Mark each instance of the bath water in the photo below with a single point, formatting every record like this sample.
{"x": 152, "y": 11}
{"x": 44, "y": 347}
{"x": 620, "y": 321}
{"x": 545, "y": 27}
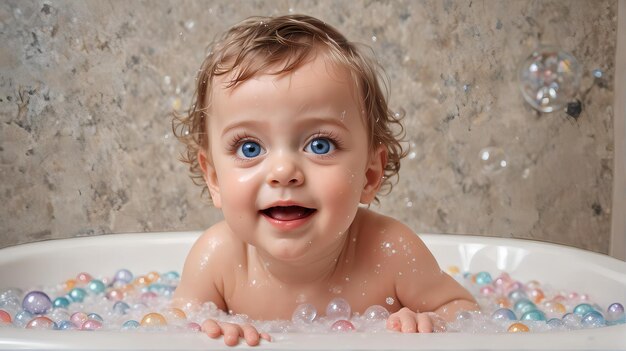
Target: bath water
{"x": 141, "y": 303}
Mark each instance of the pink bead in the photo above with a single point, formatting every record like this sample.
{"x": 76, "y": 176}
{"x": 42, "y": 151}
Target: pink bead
{"x": 83, "y": 278}
{"x": 487, "y": 290}
{"x": 342, "y": 325}
{"x": 148, "y": 297}
{"x": 40, "y": 323}
{"x": 91, "y": 325}
{"x": 78, "y": 318}
{"x": 115, "y": 295}
{"x": 193, "y": 326}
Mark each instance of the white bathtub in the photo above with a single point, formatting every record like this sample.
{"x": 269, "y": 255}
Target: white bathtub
{"x": 51, "y": 262}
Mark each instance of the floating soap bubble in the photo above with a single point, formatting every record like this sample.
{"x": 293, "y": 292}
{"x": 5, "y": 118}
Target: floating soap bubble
{"x": 376, "y": 313}
{"x": 493, "y": 159}
{"x": 549, "y": 78}
{"x": 338, "y": 308}
{"x": 22, "y": 318}
{"x": 304, "y": 313}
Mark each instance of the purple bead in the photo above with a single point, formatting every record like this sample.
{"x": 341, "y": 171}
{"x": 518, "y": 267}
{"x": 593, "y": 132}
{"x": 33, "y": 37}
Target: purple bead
{"x": 503, "y": 314}
{"x": 36, "y": 302}
{"x": 124, "y": 276}
{"x": 615, "y": 312}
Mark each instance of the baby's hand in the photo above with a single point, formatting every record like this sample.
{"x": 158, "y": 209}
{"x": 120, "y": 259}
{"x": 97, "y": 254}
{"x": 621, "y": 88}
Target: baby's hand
{"x": 232, "y": 332}
{"x": 407, "y": 321}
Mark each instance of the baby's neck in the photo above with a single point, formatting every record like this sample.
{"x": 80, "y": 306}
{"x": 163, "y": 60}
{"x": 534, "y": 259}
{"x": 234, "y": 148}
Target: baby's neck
{"x": 314, "y": 270}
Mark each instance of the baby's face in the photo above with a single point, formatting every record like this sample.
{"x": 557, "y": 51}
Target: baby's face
{"x": 289, "y": 155}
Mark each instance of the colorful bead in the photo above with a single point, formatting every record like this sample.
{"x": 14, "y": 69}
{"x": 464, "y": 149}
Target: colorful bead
{"x": 123, "y": 276}
{"x": 61, "y": 302}
{"x": 36, "y": 302}
{"x": 518, "y": 328}
{"x": 503, "y": 314}
{"x": 130, "y": 324}
{"x": 342, "y": 325}
{"x": 41, "y": 322}
{"x": 582, "y": 309}
{"x": 593, "y": 319}
{"x": 77, "y": 294}
{"x": 534, "y": 315}
{"x": 153, "y": 320}
{"x": 5, "y": 317}
{"x": 483, "y": 278}
{"x": 96, "y": 286}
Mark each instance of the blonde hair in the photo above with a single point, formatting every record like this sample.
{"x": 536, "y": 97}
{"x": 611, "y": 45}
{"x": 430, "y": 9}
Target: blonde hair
{"x": 258, "y": 44}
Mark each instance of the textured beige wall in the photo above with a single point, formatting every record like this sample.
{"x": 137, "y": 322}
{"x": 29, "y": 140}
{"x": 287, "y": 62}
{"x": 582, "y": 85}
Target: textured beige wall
{"x": 86, "y": 88}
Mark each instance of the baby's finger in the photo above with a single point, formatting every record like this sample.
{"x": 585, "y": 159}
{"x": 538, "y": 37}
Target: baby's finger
{"x": 211, "y": 328}
{"x": 393, "y": 322}
{"x": 409, "y": 322}
{"x": 232, "y": 333}
{"x": 250, "y": 334}
{"x": 424, "y": 323}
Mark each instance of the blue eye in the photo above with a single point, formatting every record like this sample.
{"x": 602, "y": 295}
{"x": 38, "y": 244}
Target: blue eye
{"x": 249, "y": 149}
{"x": 320, "y": 146}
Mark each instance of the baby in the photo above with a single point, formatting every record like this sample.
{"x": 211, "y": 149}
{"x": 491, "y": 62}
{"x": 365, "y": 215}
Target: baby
{"x": 290, "y": 133}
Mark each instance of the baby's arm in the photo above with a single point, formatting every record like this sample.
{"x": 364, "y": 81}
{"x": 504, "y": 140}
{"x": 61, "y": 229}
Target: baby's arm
{"x": 427, "y": 293}
{"x": 202, "y": 281}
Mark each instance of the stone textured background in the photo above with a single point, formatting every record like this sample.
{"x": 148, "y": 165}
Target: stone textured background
{"x": 86, "y": 89}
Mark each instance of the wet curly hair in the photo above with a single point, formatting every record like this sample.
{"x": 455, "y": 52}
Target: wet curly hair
{"x": 258, "y": 45}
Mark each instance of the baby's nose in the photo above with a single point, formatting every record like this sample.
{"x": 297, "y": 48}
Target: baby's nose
{"x": 285, "y": 171}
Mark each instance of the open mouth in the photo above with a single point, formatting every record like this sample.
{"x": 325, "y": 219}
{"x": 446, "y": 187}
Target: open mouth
{"x": 287, "y": 213}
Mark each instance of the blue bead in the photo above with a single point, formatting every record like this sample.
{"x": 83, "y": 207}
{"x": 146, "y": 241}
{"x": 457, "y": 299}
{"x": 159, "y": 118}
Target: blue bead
{"x": 22, "y": 318}
{"x": 583, "y": 309}
{"x": 130, "y": 324}
{"x": 593, "y": 319}
{"x": 172, "y": 275}
{"x": 516, "y": 295}
{"x": 77, "y": 294}
{"x": 61, "y": 302}
{"x": 66, "y": 325}
{"x": 524, "y": 305}
{"x": 120, "y": 307}
{"x": 503, "y": 314}
{"x": 36, "y": 302}
{"x": 96, "y": 286}
{"x": 483, "y": 278}
{"x": 555, "y": 323}
{"x": 534, "y": 315}
{"x": 95, "y": 317}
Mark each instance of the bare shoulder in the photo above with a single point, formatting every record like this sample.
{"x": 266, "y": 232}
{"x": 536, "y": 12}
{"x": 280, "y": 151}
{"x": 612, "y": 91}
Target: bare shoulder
{"x": 389, "y": 233}
{"x": 208, "y": 264}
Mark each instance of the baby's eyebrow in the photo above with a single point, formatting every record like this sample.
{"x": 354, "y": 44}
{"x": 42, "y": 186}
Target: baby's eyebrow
{"x": 243, "y": 124}
{"x": 313, "y": 121}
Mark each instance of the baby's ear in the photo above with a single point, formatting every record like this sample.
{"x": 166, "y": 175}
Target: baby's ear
{"x": 374, "y": 174}
{"x": 210, "y": 177}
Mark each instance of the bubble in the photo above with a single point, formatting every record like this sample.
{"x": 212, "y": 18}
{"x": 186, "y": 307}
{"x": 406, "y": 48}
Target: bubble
{"x": 189, "y": 24}
{"x": 389, "y": 300}
{"x": 36, "y": 302}
{"x": 549, "y": 78}
{"x": 376, "y": 313}
{"x": 493, "y": 160}
{"x": 338, "y": 308}
{"x": 597, "y": 73}
{"x": 304, "y": 313}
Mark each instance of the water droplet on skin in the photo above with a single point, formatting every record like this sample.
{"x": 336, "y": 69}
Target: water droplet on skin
{"x": 389, "y": 300}
{"x": 374, "y": 38}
